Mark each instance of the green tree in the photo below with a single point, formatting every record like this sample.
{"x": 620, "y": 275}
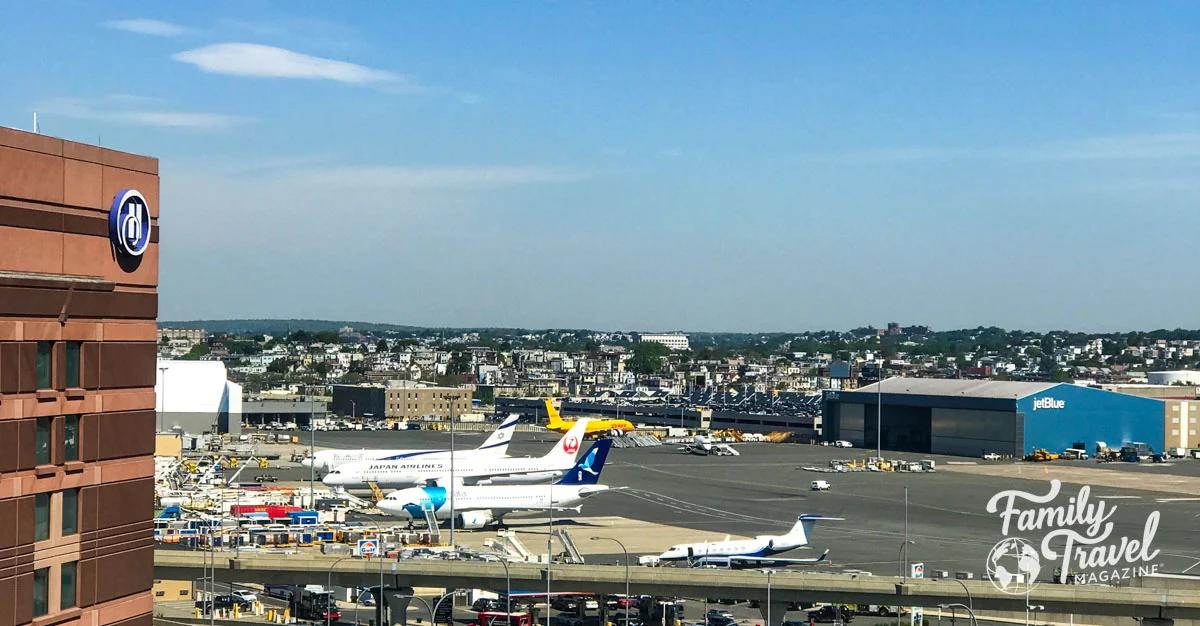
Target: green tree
{"x": 327, "y": 336}
{"x": 320, "y": 368}
{"x": 279, "y": 366}
{"x": 197, "y": 352}
{"x": 647, "y": 357}
{"x": 381, "y": 345}
{"x": 1060, "y": 375}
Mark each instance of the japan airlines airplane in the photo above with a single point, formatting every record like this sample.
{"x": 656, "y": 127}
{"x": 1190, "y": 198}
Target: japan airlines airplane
{"x": 476, "y": 507}
{"x": 424, "y": 470}
{"x": 756, "y": 552}
{"x": 494, "y": 446}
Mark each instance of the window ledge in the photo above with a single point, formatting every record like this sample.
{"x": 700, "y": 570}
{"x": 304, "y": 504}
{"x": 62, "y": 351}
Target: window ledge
{"x": 47, "y": 394}
{"x": 75, "y": 393}
{"x": 57, "y": 617}
{"x": 75, "y": 466}
{"x": 42, "y": 471}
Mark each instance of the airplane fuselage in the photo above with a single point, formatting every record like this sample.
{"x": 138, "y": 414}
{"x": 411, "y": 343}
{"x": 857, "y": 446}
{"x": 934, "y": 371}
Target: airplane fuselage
{"x": 411, "y": 503}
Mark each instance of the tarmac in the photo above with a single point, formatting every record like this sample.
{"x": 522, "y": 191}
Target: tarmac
{"x": 669, "y": 497}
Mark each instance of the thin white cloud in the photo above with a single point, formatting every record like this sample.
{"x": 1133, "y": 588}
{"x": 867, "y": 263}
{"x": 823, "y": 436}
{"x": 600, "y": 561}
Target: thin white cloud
{"x": 135, "y": 111}
{"x": 156, "y": 28}
{"x": 1128, "y": 147}
{"x": 247, "y": 59}
{"x": 424, "y": 177}
{"x": 1125, "y": 147}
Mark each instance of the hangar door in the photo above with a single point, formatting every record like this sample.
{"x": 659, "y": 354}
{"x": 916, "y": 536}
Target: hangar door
{"x": 975, "y": 433}
{"x": 905, "y": 428}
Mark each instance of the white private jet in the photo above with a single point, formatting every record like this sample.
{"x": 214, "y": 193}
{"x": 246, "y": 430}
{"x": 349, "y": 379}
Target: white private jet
{"x": 704, "y": 446}
{"x": 495, "y": 445}
{"x": 478, "y": 506}
{"x": 435, "y": 469}
{"x": 744, "y": 553}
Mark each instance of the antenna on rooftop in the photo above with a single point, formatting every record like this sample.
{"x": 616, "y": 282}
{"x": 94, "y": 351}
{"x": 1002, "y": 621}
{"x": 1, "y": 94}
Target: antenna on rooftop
{"x": 36, "y": 128}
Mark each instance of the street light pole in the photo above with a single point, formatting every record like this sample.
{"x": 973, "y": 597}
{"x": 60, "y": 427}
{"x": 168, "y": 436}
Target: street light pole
{"x": 970, "y": 611}
{"x": 453, "y": 399}
{"x": 507, "y": 592}
{"x": 329, "y": 584}
{"x": 627, "y": 600}
{"x": 312, "y": 454}
{"x": 162, "y": 414}
{"x": 879, "y": 414}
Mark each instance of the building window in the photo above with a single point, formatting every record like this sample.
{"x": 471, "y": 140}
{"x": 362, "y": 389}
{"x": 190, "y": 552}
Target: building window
{"x": 44, "y": 349}
{"x": 1174, "y": 432}
{"x": 42, "y": 441}
{"x": 73, "y": 364}
{"x": 71, "y": 438}
{"x": 41, "y": 592}
{"x": 70, "y": 512}
{"x": 1174, "y": 420}
{"x": 41, "y": 517}
{"x": 66, "y": 585}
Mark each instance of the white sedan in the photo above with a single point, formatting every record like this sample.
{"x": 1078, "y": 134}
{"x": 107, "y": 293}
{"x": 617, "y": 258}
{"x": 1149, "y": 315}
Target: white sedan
{"x": 991, "y": 456}
{"x": 842, "y": 443}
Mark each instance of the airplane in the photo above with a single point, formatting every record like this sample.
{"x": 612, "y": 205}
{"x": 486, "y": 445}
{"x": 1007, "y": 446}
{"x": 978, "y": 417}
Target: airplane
{"x": 425, "y": 470}
{"x": 495, "y": 445}
{"x": 478, "y": 506}
{"x": 595, "y": 426}
{"x": 744, "y": 553}
{"x": 703, "y": 446}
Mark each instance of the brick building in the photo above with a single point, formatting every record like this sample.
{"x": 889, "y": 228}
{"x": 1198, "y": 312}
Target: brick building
{"x": 412, "y": 401}
{"x": 78, "y": 302}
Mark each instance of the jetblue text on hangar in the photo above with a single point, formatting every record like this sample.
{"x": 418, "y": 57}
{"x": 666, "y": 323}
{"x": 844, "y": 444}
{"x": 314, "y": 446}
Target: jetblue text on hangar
{"x": 1048, "y": 403}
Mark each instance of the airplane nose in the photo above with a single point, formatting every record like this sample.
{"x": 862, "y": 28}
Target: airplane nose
{"x": 307, "y": 462}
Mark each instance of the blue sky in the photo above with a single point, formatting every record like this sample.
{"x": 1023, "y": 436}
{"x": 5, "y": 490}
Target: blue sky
{"x": 696, "y": 166}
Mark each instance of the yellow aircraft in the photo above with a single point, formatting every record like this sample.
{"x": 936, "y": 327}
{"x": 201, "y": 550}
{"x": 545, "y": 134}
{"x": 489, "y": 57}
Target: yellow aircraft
{"x": 595, "y": 427}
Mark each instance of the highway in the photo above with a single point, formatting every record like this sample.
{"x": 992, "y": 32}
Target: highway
{"x": 782, "y": 587}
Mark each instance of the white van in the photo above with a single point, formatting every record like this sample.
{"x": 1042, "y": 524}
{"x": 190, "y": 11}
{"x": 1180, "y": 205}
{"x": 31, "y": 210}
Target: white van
{"x": 819, "y": 485}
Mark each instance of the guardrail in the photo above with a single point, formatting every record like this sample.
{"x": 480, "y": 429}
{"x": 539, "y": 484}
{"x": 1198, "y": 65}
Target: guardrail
{"x": 785, "y": 586}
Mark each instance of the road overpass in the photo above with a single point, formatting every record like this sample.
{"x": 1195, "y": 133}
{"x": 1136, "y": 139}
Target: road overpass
{"x": 781, "y": 586}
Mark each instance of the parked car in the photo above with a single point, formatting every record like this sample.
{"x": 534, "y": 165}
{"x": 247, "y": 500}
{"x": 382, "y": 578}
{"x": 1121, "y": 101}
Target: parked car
{"x": 819, "y": 485}
{"x": 830, "y": 613}
{"x": 991, "y": 456}
{"x": 487, "y": 604}
{"x": 842, "y": 443}
{"x": 244, "y": 596}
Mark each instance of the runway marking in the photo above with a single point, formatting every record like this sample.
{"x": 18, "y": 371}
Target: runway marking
{"x": 1111, "y": 497}
{"x": 1166, "y": 500}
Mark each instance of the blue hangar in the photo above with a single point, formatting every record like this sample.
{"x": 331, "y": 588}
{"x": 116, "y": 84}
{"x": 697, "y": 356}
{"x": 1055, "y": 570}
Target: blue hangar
{"x": 974, "y": 417}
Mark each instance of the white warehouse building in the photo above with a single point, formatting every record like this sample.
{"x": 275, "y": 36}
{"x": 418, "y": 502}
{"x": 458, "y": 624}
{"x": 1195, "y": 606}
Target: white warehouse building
{"x": 196, "y": 395}
{"x": 1174, "y": 377}
{"x": 674, "y": 341}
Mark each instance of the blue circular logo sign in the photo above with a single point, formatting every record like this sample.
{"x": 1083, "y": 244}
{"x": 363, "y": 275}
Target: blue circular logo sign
{"x": 129, "y": 223}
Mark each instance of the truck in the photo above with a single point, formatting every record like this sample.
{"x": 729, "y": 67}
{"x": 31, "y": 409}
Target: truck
{"x": 314, "y": 605}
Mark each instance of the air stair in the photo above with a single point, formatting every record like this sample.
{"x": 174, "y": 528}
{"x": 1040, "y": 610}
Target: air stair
{"x": 435, "y": 533}
{"x": 573, "y": 555}
{"x": 507, "y": 543}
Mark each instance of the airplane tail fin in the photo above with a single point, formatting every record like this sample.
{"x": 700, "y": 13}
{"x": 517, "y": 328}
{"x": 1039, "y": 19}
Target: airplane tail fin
{"x": 563, "y": 453}
{"x": 801, "y": 533}
{"x": 587, "y": 470}
{"x": 552, "y": 417}
{"x": 497, "y": 443}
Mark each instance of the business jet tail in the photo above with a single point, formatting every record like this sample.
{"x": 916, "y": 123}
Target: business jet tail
{"x": 587, "y": 470}
{"x": 497, "y": 443}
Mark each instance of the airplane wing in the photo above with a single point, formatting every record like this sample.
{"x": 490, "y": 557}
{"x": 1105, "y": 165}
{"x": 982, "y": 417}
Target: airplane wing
{"x": 767, "y": 560}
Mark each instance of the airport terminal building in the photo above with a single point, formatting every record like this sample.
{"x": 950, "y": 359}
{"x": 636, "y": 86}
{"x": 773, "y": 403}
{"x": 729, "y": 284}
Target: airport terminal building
{"x": 974, "y": 417}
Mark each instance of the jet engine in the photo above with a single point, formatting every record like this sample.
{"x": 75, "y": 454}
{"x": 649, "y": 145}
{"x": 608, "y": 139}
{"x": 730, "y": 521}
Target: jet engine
{"x": 781, "y": 543}
{"x": 474, "y": 520}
